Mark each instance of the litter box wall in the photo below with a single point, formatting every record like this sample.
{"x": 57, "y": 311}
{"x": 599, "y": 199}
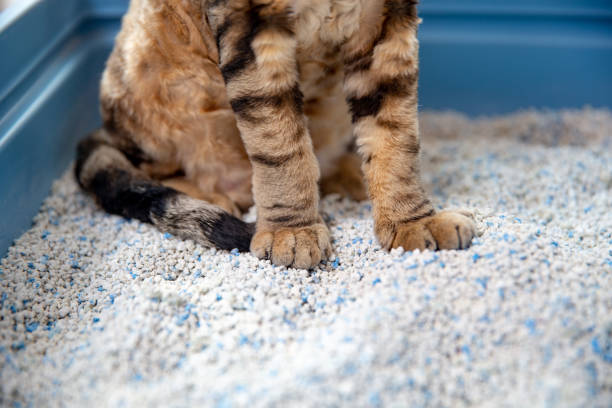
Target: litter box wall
{"x": 477, "y": 56}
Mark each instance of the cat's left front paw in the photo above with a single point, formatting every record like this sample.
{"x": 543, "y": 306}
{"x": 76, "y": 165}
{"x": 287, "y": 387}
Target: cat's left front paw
{"x": 444, "y": 230}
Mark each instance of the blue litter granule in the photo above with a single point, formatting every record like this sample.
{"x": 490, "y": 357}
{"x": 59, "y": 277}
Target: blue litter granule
{"x": 45, "y": 234}
{"x": 475, "y": 257}
{"x": 602, "y": 350}
{"x": 339, "y": 300}
{"x": 465, "y": 349}
{"x": 588, "y": 209}
{"x": 502, "y": 293}
{"x": 243, "y": 340}
{"x": 32, "y": 326}
{"x": 375, "y": 281}
{"x": 555, "y": 244}
{"x": 531, "y": 326}
{"x": 219, "y": 297}
{"x": 509, "y": 238}
{"x": 289, "y": 322}
{"x": 182, "y": 319}
{"x": 111, "y": 298}
{"x": 101, "y": 289}
{"x": 235, "y": 252}
{"x": 96, "y": 319}
{"x": 18, "y": 346}
{"x": 485, "y": 318}
{"x": 336, "y": 263}
{"x": 374, "y": 399}
{"x": 432, "y": 260}
{"x": 591, "y": 370}
{"x": 167, "y": 235}
{"x": 482, "y": 281}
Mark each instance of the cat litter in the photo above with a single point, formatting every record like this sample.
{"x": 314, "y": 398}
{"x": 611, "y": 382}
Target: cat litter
{"x": 97, "y": 310}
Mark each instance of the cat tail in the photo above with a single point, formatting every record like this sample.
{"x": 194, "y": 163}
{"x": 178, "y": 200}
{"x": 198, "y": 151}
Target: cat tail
{"x": 108, "y": 173}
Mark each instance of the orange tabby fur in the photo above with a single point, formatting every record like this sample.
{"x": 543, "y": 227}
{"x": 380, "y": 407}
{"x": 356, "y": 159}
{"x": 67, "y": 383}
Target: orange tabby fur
{"x": 255, "y": 102}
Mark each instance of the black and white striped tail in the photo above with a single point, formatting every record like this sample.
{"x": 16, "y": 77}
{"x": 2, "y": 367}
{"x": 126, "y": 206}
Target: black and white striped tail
{"x": 120, "y": 188}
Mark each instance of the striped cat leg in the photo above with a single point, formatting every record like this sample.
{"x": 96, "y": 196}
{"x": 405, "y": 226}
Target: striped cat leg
{"x": 257, "y": 50}
{"x": 381, "y": 88}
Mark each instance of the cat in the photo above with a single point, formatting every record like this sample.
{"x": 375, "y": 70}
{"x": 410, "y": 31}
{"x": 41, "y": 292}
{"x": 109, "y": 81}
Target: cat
{"x": 212, "y": 106}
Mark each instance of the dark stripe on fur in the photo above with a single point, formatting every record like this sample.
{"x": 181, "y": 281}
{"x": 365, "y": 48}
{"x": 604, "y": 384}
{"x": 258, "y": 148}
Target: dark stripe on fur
{"x": 421, "y": 205}
{"x": 362, "y": 61}
{"x": 418, "y": 217}
{"x": 220, "y": 32}
{"x": 359, "y": 63}
{"x": 412, "y": 147}
{"x": 282, "y": 219}
{"x": 256, "y": 22}
{"x": 371, "y": 104}
{"x": 243, "y": 58}
{"x": 245, "y": 106}
{"x": 273, "y": 161}
{"x": 290, "y": 221}
{"x": 215, "y": 3}
{"x": 295, "y": 207}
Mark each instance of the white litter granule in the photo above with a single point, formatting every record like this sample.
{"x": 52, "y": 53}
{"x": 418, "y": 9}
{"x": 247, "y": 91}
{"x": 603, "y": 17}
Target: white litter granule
{"x": 99, "y": 311}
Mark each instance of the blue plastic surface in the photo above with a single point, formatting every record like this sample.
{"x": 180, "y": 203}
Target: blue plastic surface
{"x": 477, "y": 56}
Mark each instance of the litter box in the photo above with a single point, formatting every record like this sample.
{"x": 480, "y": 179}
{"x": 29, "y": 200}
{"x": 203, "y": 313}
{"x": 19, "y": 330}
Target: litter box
{"x": 480, "y": 57}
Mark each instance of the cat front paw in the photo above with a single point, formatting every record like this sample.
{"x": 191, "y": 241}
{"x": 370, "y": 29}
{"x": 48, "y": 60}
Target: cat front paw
{"x": 300, "y": 247}
{"x": 444, "y": 230}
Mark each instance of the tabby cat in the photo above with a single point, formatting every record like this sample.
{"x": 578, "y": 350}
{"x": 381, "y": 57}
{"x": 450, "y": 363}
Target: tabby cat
{"x": 211, "y": 106}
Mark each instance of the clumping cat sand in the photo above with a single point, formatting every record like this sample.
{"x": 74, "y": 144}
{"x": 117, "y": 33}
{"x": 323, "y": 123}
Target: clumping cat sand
{"x": 103, "y": 311}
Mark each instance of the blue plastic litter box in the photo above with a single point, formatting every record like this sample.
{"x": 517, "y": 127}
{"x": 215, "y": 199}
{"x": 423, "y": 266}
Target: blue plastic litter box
{"x": 477, "y": 57}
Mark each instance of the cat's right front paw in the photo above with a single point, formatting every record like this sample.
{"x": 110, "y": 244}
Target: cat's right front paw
{"x": 300, "y": 247}
{"x": 444, "y": 230}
